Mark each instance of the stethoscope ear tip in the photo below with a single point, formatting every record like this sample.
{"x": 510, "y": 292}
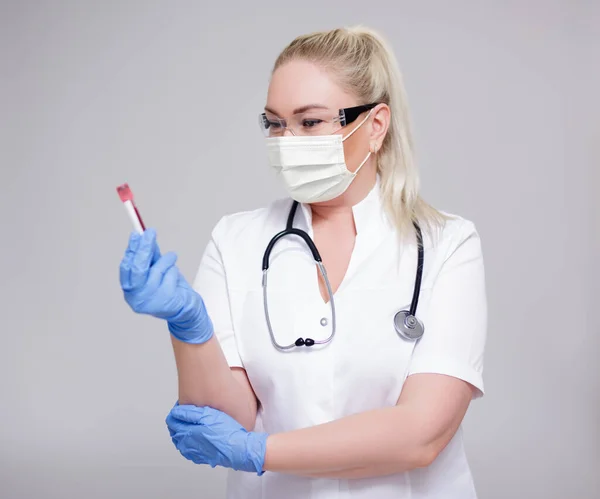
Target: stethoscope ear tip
{"x": 308, "y": 342}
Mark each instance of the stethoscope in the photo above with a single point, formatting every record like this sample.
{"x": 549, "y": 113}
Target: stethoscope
{"x": 406, "y": 323}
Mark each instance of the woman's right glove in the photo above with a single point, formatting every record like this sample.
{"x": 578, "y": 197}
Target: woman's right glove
{"x": 153, "y": 285}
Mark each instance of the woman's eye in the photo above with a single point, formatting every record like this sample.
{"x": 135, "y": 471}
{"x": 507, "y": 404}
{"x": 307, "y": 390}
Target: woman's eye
{"x": 273, "y": 124}
{"x": 309, "y": 123}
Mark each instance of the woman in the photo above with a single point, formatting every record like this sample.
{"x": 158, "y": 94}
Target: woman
{"x": 366, "y": 412}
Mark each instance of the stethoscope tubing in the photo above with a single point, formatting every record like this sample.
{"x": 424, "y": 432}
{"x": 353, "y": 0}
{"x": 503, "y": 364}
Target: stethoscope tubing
{"x": 405, "y": 321}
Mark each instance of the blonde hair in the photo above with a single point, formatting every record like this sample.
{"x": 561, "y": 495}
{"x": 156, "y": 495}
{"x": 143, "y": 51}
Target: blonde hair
{"x": 363, "y": 63}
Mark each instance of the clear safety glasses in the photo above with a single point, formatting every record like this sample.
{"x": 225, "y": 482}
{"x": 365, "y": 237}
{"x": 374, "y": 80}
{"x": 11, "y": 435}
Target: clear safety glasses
{"x": 314, "y": 121}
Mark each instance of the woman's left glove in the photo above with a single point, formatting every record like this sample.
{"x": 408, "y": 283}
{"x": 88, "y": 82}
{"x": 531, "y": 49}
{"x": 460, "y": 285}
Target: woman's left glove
{"x": 208, "y": 436}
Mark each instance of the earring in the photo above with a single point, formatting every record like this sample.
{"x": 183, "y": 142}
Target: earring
{"x": 374, "y": 148}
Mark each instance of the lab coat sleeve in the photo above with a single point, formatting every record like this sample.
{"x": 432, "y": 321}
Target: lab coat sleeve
{"x": 211, "y": 284}
{"x": 456, "y": 327}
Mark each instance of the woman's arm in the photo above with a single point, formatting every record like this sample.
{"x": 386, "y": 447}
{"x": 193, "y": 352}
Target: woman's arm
{"x": 212, "y": 373}
{"x": 203, "y": 339}
{"x": 205, "y": 378}
{"x": 378, "y": 442}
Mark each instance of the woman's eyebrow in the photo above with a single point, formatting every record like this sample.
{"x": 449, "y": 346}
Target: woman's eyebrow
{"x": 300, "y": 109}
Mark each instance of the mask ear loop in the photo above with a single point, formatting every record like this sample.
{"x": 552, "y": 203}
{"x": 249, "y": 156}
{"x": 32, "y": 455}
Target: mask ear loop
{"x": 361, "y": 165}
{"x": 350, "y": 134}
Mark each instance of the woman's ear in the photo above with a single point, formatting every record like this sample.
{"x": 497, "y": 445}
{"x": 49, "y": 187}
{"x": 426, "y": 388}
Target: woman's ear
{"x": 380, "y": 124}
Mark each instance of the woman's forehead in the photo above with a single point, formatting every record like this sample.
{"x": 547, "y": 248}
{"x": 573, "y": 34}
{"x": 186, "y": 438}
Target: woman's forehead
{"x": 297, "y": 84}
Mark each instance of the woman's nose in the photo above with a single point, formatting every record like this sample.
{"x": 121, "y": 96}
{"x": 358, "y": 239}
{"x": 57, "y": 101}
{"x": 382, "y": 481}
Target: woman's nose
{"x": 288, "y": 132}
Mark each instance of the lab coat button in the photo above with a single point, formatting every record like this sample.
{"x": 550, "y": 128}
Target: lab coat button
{"x": 324, "y": 321}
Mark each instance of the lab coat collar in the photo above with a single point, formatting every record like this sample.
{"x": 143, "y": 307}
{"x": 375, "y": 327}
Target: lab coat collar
{"x": 372, "y": 227}
{"x": 368, "y": 213}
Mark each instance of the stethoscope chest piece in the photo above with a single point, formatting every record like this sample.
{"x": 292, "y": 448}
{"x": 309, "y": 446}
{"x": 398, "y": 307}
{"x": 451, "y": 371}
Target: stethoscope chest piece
{"x": 408, "y": 326}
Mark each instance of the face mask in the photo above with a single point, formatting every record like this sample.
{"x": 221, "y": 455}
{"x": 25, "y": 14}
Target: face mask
{"x": 313, "y": 168}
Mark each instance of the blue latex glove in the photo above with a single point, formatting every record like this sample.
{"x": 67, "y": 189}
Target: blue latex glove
{"x": 153, "y": 285}
{"x": 208, "y": 436}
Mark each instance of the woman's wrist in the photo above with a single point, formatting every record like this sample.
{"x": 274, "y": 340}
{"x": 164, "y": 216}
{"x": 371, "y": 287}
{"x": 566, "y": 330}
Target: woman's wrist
{"x": 192, "y": 324}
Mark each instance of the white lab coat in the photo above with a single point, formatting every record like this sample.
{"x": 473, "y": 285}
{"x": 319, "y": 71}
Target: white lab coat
{"x": 366, "y": 364}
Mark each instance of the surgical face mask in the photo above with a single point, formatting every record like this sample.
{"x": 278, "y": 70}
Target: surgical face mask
{"x": 312, "y": 168}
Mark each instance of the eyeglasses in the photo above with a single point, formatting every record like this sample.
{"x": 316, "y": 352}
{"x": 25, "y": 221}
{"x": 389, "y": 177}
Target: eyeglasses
{"x": 316, "y": 121}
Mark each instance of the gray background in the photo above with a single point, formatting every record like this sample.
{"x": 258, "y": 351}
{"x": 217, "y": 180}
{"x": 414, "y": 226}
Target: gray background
{"x": 164, "y": 95}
